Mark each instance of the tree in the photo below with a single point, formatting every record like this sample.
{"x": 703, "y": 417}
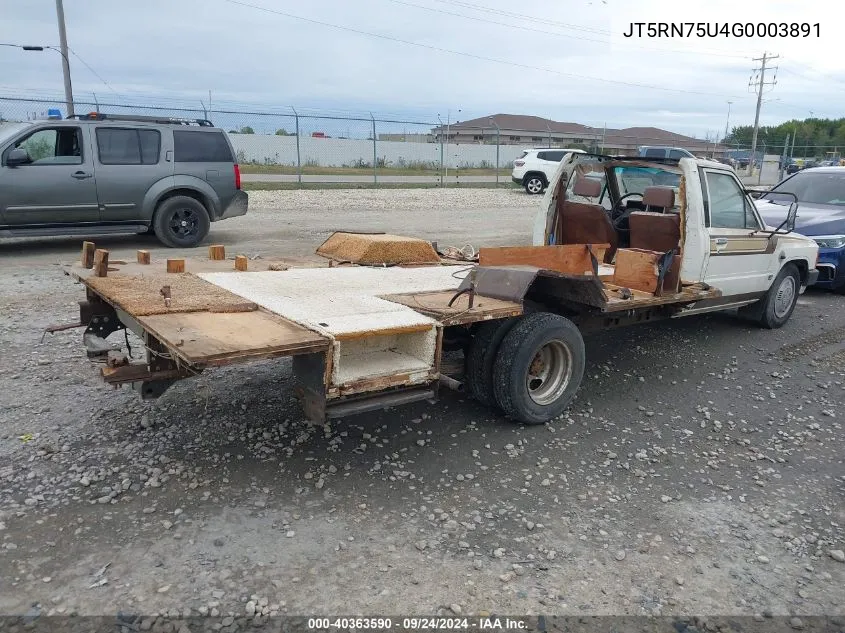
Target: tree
{"x": 247, "y": 130}
{"x": 283, "y": 132}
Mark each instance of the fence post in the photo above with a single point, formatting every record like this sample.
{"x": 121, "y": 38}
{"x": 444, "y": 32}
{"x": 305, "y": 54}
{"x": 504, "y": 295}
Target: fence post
{"x": 783, "y": 158}
{"x": 549, "y": 129}
{"x": 375, "y": 152}
{"x": 441, "y": 149}
{"x": 298, "y": 158}
{"x": 498, "y": 144}
{"x": 762, "y": 163}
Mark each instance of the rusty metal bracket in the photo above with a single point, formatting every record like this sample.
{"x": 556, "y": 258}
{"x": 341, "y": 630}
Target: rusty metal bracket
{"x": 509, "y": 283}
{"x": 663, "y": 266}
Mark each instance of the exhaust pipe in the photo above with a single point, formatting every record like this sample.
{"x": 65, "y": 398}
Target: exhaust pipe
{"x": 451, "y": 383}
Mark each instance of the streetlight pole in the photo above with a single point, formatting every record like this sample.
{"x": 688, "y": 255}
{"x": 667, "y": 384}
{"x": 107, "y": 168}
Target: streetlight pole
{"x": 60, "y": 14}
{"x": 728, "y": 120}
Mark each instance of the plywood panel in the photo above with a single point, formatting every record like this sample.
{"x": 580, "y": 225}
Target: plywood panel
{"x": 207, "y": 338}
{"x": 636, "y": 269}
{"x": 568, "y": 258}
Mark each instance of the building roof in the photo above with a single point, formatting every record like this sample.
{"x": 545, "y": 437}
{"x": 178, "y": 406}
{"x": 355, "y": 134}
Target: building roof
{"x": 631, "y": 136}
{"x": 519, "y": 122}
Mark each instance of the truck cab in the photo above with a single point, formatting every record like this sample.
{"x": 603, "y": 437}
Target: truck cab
{"x": 697, "y": 209}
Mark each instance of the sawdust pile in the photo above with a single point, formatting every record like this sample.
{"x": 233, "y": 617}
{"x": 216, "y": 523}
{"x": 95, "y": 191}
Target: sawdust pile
{"x": 378, "y": 249}
{"x": 142, "y": 296}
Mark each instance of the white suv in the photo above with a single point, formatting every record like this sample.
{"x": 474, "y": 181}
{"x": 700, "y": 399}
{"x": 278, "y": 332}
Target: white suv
{"x": 535, "y": 167}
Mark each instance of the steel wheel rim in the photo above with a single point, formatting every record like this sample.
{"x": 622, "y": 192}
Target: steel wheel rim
{"x": 785, "y": 296}
{"x": 534, "y": 185}
{"x": 184, "y": 223}
{"x": 549, "y": 373}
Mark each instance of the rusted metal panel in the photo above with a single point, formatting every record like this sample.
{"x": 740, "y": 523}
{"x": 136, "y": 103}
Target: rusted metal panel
{"x": 509, "y": 283}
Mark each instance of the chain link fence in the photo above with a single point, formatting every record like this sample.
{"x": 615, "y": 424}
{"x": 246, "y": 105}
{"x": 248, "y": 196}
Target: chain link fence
{"x": 286, "y": 145}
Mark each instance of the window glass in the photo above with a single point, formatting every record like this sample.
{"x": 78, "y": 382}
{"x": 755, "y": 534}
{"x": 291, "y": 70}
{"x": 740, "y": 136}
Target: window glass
{"x": 676, "y": 154}
{"x": 150, "y": 146}
{"x": 201, "y": 147}
{"x": 555, "y": 156}
{"x": 727, "y": 205}
{"x": 543, "y": 155}
{"x": 53, "y": 146}
{"x": 814, "y": 188}
{"x": 655, "y": 153}
{"x": 636, "y": 179}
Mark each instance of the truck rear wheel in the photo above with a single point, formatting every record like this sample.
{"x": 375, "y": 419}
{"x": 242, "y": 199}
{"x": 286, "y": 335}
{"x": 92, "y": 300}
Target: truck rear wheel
{"x": 481, "y": 357}
{"x": 779, "y": 302}
{"x": 538, "y": 367}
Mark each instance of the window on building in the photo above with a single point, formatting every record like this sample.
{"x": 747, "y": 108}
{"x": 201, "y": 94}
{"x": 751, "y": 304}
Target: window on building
{"x": 536, "y": 138}
{"x": 516, "y": 138}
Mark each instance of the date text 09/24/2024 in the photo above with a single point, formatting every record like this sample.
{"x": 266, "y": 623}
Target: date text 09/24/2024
{"x": 722, "y": 29}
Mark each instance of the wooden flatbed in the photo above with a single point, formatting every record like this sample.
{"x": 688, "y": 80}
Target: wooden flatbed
{"x": 362, "y": 337}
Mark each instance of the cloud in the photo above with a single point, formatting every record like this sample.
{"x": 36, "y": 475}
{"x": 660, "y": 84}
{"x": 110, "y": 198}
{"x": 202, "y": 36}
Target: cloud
{"x": 175, "y": 52}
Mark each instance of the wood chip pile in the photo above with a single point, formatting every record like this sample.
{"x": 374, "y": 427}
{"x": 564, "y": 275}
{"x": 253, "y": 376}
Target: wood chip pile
{"x": 142, "y": 295}
{"x": 378, "y": 249}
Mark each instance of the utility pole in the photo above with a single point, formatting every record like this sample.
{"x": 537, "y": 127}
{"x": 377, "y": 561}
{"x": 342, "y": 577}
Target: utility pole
{"x": 727, "y": 121}
{"x": 759, "y": 84}
{"x": 60, "y": 14}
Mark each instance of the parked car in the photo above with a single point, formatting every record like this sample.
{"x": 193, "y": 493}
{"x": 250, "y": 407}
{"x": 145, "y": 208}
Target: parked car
{"x": 100, "y": 173}
{"x": 662, "y": 153}
{"x": 821, "y": 216}
{"x": 535, "y": 167}
{"x": 793, "y": 168}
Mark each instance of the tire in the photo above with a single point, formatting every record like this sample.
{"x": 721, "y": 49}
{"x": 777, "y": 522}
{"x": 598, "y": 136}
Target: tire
{"x": 778, "y": 304}
{"x": 181, "y": 221}
{"x": 554, "y": 343}
{"x": 534, "y": 184}
{"x": 480, "y": 358}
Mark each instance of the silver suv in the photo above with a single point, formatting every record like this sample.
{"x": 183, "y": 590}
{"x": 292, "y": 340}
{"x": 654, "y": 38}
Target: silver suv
{"x": 102, "y": 173}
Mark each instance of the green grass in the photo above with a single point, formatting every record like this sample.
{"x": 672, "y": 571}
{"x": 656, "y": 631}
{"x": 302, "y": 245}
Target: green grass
{"x": 364, "y": 171}
{"x": 289, "y": 186}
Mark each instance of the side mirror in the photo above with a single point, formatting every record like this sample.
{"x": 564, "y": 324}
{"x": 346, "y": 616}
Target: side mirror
{"x": 790, "y": 217}
{"x": 18, "y": 156}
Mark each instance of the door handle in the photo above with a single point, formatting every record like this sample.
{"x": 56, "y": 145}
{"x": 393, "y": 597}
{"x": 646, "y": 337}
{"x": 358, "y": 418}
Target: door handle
{"x": 721, "y": 243}
{"x": 80, "y": 175}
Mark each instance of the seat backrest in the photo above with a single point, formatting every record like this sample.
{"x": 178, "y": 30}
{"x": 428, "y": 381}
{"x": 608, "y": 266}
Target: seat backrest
{"x": 662, "y": 197}
{"x": 587, "y": 187}
{"x": 580, "y": 223}
{"x": 655, "y": 231}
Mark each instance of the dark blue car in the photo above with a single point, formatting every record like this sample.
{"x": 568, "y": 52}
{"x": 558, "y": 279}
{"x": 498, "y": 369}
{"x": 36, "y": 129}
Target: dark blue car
{"x": 821, "y": 216}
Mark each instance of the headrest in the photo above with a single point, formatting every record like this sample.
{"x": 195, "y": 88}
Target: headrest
{"x": 587, "y": 187}
{"x": 659, "y": 197}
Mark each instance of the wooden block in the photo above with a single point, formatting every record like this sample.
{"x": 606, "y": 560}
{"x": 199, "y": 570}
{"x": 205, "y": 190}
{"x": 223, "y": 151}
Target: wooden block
{"x": 143, "y": 257}
{"x": 636, "y": 269}
{"x": 241, "y": 262}
{"x": 573, "y": 259}
{"x": 88, "y": 249}
{"x": 101, "y": 263}
{"x": 216, "y": 252}
{"x": 175, "y": 265}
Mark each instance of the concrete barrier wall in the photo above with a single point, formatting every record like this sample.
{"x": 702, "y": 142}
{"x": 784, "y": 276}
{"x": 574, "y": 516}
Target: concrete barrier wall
{"x": 337, "y": 152}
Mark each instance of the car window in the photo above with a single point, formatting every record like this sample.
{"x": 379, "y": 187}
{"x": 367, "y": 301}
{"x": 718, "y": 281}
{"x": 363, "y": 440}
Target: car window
{"x": 655, "y": 153}
{"x": 726, "y": 203}
{"x": 816, "y": 188}
{"x": 677, "y": 154}
{"x": 53, "y": 146}
{"x": 543, "y": 155}
{"x": 128, "y": 146}
{"x": 636, "y": 179}
{"x": 556, "y": 156}
{"x": 201, "y": 147}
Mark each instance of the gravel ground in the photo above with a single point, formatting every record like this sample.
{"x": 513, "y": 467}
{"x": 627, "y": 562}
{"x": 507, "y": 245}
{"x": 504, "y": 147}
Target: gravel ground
{"x": 699, "y": 471}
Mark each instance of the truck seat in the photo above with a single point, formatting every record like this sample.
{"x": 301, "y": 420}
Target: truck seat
{"x": 582, "y": 223}
{"x": 659, "y": 199}
{"x": 659, "y": 232}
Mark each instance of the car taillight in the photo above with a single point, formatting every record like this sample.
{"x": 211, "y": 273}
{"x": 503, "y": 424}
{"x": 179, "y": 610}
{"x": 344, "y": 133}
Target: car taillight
{"x": 237, "y": 176}
{"x": 519, "y": 163}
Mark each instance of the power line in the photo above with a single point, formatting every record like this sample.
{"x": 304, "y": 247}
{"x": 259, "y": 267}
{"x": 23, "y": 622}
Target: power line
{"x": 564, "y": 35}
{"x": 522, "y": 16}
{"x": 469, "y": 55}
{"x": 94, "y": 72}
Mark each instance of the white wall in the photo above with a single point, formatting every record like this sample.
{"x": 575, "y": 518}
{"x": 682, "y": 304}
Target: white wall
{"x": 337, "y": 152}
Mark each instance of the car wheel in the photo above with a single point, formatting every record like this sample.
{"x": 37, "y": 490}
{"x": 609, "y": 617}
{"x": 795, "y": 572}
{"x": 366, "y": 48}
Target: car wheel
{"x": 538, "y": 368}
{"x": 480, "y": 358}
{"x": 779, "y": 302}
{"x": 181, "y": 221}
{"x": 534, "y": 185}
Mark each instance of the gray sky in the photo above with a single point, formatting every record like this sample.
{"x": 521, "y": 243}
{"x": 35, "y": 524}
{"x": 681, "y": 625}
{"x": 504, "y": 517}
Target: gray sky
{"x": 168, "y": 50}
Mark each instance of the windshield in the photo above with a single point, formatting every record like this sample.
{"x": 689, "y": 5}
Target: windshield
{"x": 818, "y": 188}
{"x": 8, "y": 130}
{"x": 636, "y": 179}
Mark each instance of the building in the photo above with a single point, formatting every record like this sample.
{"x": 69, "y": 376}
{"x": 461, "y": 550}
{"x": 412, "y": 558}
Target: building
{"x": 532, "y": 131}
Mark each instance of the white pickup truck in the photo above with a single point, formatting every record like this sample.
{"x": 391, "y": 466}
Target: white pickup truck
{"x": 618, "y": 241}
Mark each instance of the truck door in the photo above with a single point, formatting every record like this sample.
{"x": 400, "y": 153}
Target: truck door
{"x": 130, "y": 160}
{"x": 56, "y": 184}
{"x": 545, "y": 218}
{"x": 740, "y": 257}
